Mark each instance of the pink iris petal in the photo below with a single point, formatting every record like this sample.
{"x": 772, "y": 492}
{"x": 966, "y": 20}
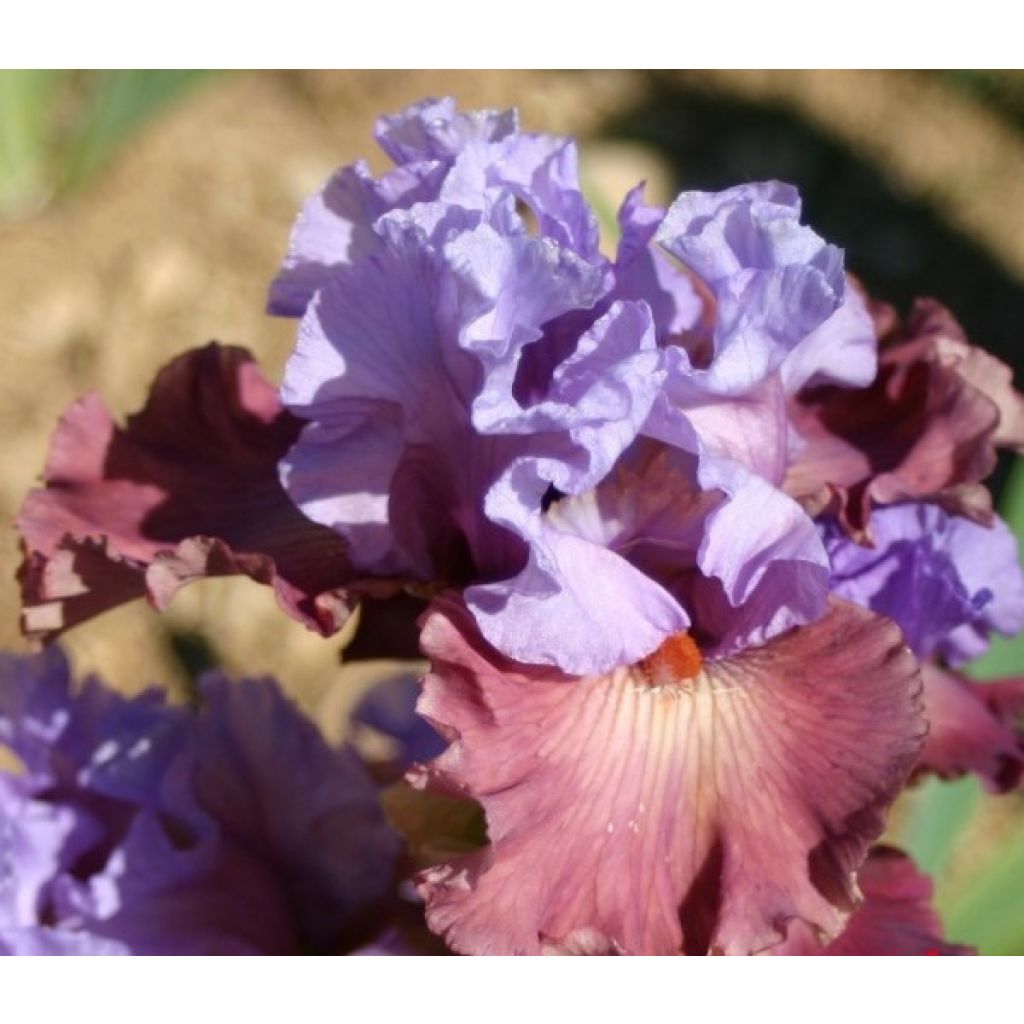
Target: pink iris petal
{"x": 652, "y": 815}
{"x": 895, "y": 919}
{"x": 928, "y": 427}
{"x": 974, "y": 727}
{"x": 187, "y": 488}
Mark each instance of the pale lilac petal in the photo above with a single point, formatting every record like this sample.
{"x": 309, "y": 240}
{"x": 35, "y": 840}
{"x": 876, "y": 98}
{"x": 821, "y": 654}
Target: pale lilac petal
{"x": 782, "y": 301}
{"x": 335, "y": 227}
{"x": 432, "y": 129}
{"x": 643, "y": 272}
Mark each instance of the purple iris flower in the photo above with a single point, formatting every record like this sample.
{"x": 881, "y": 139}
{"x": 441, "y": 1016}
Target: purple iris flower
{"x": 468, "y": 383}
{"x": 634, "y": 495}
{"x": 130, "y": 826}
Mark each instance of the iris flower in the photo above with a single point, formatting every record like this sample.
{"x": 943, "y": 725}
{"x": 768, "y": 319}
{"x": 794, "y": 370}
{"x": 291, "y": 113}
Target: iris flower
{"x": 698, "y": 533}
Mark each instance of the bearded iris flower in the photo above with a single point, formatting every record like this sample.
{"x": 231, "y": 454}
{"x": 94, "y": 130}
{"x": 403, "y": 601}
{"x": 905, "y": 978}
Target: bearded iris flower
{"x": 702, "y": 530}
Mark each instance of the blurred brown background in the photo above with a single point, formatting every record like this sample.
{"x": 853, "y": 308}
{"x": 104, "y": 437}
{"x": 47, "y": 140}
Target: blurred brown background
{"x": 147, "y": 216}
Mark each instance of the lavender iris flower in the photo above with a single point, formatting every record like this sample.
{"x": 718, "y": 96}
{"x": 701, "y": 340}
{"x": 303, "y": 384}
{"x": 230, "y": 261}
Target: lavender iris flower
{"x": 460, "y": 374}
{"x": 663, "y": 505}
{"x": 133, "y": 827}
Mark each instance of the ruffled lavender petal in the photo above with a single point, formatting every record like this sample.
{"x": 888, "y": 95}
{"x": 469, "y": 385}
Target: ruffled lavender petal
{"x": 947, "y": 581}
{"x": 449, "y": 161}
{"x": 643, "y": 272}
{"x": 781, "y": 298}
{"x": 433, "y": 129}
{"x": 416, "y": 350}
{"x": 335, "y": 227}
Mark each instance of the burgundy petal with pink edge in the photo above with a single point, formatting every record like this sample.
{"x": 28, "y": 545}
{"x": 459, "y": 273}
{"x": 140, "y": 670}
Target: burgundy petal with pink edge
{"x": 928, "y": 427}
{"x": 641, "y": 813}
{"x": 187, "y": 488}
{"x": 974, "y": 727}
{"x": 895, "y": 919}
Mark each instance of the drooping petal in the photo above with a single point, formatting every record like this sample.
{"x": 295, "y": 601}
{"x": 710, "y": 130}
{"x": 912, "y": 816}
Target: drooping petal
{"x": 895, "y": 919}
{"x": 927, "y": 428}
{"x": 974, "y": 727}
{"x": 187, "y": 488}
{"x": 653, "y": 814}
{"x": 946, "y": 581}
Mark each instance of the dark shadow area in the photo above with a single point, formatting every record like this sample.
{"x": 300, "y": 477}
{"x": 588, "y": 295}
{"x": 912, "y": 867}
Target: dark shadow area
{"x": 194, "y": 653}
{"x": 900, "y": 247}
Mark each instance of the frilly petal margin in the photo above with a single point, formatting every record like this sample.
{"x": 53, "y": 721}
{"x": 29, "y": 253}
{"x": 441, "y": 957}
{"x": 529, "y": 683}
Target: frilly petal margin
{"x": 895, "y": 919}
{"x": 927, "y": 428}
{"x": 659, "y": 817}
{"x": 187, "y": 488}
{"x": 974, "y": 727}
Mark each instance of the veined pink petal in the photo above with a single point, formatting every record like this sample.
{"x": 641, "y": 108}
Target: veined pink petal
{"x": 641, "y": 813}
{"x": 895, "y": 919}
{"x": 187, "y": 488}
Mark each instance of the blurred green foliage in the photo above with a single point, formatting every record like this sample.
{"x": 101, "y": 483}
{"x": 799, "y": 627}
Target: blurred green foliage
{"x": 59, "y": 128}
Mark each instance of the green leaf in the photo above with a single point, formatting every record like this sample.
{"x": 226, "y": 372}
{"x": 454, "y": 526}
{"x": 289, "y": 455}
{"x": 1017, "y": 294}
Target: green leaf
{"x": 938, "y": 815}
{"x": 26, "y": 137}
{"x": 115, "y": 106}
{"x": 990, "y": 912}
